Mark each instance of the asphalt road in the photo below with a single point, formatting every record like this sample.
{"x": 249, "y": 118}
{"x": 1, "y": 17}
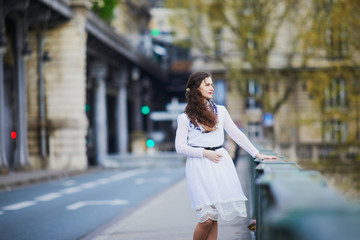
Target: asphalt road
{"x": 74, "y": 207}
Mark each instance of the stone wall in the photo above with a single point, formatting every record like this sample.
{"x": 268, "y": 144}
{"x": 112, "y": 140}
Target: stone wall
{"x": 32, "y": 80}
{"x": 65, "y": 95}
{"x": 65, "y": 84}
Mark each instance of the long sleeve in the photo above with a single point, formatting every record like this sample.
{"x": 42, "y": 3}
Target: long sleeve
{"x": 181, "y": 144}
{"x": 238, "y": 136}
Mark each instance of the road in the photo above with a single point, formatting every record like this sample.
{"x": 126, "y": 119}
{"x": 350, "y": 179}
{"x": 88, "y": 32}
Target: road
{"x": 73, "y": 207}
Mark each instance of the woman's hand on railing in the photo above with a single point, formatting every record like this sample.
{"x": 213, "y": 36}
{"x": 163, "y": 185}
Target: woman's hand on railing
{"x": 265, "y": 157}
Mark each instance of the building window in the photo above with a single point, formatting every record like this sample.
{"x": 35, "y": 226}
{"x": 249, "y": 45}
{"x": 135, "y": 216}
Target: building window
{"x": 218, "y": 43}
{"x": 336, "y": 43}
{"x": 336, "y": 36}
{"x": 335, "y": 94}
{"x": 335, "y": 131}
{"x": 255, "y": 130}
{"x": 254, "y": 91}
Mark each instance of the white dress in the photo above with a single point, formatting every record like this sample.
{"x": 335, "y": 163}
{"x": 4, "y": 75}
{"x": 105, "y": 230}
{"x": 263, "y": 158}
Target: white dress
{"x": 214, "y": 188}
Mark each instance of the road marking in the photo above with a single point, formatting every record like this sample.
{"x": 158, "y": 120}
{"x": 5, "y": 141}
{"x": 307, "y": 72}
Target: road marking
{"x": 69, "y": 183}
{"x": 151, "y": 180}
{"x": 76, "y": 189}
{"x": 103, "y": 181}
{"x": 20, "y": 205}
{"x": 48, "y": 197}
{"x": 88, "y": 185}
{"x": 81, "y": 204}
{"x": 122, "y": 176}
{"x": 71, "y": 190}
{"x": 75, "y": 206}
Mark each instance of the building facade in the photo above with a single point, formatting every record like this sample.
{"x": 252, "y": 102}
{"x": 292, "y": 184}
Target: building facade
{"x": 301, "y": 103}
{"x": 71, "y": 85}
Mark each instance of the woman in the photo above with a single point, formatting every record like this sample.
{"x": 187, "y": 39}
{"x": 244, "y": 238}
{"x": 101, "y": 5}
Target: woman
{"x": 214, "y": 187}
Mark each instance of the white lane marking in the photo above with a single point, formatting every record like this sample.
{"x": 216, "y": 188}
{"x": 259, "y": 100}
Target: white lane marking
{"x": 81, "y": 204}
{"x": 88, "y": 185}
{"x": 121, "y": 176}
{"x": 69, "y": 183}
{"x": 103, "y": 181}
{"x": 19, "y": 205}
{"x": 71, "y": 190}
{"x": 151, "y": 180}
{"x": 75, "y": 206}
{"x": 48, "y": 197}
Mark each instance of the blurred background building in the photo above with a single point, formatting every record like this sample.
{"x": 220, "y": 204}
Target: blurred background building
{"x": 290, "y": 70}
{"x": 78, "y": 79}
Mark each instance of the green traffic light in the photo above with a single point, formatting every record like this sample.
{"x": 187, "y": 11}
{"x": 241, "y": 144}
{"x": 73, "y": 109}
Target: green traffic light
{"x": 155, "y": 32}
{"x": 145, "y": 110}
{"x": 150, "y": 143}
{"x": 87, "y": 107}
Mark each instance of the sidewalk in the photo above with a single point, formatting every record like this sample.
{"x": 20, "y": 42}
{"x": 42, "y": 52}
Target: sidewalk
{"x": 169, "y": 216}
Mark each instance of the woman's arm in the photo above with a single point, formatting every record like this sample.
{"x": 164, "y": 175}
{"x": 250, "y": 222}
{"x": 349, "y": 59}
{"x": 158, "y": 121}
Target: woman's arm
{"x": 240, "y": 138}
{"x": 181, "y": 144}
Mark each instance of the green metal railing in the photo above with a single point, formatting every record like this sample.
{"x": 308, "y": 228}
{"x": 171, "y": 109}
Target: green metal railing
{"x": 290, "y": 203}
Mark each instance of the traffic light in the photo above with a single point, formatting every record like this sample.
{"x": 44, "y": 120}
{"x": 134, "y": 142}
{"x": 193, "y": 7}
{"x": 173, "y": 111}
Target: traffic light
{"x": 87, "y": 107}
{"x": 13, "y": 135}
{"x": 145, "y": 110}
{"x": 150, "y": 143}
{"x": 155, "y": 32}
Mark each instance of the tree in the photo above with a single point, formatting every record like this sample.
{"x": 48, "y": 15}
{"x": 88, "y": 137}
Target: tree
{"x": 284, "y": 41}
{"x": 105, "y": 9}
{"x": 241, "y": 35}
{"x": 333, "y": 36}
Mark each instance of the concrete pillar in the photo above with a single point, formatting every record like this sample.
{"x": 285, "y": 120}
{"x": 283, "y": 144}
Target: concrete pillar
{"x": 3, "y": 160}
{"x": 121, "y": 112}
{"x": 137, "y": 117}
{"x": 21, "y": 160}
{"x": 65, "y": 91}
{"x": 98, "y": 72}
{"x": 138, "y": 138}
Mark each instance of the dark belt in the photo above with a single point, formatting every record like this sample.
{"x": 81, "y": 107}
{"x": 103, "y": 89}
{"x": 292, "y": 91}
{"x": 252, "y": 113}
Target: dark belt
{"x": 209, "y": 148}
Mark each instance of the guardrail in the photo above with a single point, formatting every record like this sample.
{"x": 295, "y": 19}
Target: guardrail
{"x": 290, "y": 203}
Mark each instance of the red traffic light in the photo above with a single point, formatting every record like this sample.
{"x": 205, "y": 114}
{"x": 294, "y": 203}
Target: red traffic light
{"x": 13, "y": 135}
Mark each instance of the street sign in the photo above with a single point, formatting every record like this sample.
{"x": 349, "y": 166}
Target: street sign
{"x": 163, "y": 116}
{"x": 268, "y": 120}
{"x": 173, "y": 109}
{"x": 220, "y": 92}
{"x": 175, "y": 106}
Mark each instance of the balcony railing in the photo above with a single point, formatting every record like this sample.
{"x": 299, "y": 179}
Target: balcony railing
{"x": 293, "y": 204}
{"x": 315, "y": 152}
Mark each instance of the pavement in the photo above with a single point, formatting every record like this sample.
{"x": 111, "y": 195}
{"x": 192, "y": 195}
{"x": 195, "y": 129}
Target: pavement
{"x": 167, "y": 215}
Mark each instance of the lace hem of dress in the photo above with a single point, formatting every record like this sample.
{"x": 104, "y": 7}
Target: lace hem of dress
{"x": 226, "y": 211}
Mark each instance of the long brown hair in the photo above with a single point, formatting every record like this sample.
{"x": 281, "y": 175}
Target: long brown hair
{"x": 197, "y": 109}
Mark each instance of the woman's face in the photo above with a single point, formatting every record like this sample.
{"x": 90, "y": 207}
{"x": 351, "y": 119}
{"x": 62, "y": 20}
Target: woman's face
{"x": 206, "y": 88}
